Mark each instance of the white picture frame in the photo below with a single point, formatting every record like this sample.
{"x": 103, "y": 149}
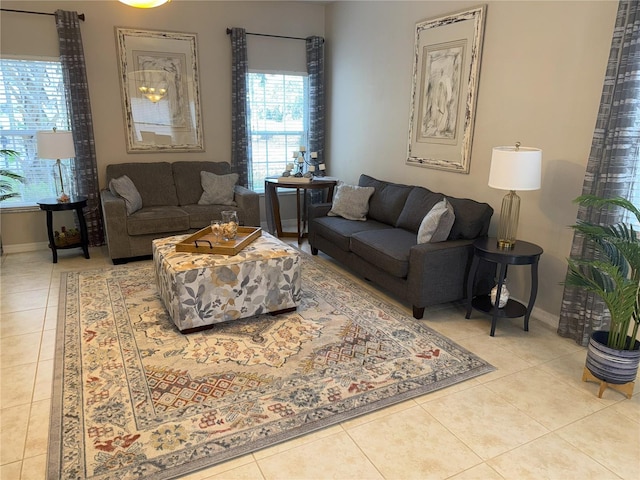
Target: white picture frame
{"x": 447, "y": 56}
{"x": 160, "y": 90}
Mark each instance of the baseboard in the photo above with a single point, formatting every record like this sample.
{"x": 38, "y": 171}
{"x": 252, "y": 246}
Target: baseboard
{"x": 24, "y": 247}
{"x": 549, "y": 319}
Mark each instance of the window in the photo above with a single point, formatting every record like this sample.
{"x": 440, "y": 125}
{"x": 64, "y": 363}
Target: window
{"x": 32, "y": 98}
{"x": 278, "y": 108}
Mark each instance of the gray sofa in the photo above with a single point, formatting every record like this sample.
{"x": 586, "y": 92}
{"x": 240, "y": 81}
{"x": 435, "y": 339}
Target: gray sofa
{"x": 384, "y": 248}
{"x": 170, "y": 194}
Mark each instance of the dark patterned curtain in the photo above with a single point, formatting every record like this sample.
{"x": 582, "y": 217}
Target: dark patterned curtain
{"x": 315, "y": 69}
{"x": 240, "y": 145}
{"x": 612, "y": 165}
{"x": 79, "y": 105}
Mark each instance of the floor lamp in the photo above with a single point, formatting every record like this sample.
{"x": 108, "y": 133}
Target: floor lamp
{"x": 513, "y": 168}
{"x": 56, "y": 145}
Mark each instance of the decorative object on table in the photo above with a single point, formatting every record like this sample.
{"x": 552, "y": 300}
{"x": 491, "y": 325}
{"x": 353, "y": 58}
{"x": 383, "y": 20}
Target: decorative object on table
{"x": 504, "y": 295}
{"x": 205, "y": 241}
{"x": 260, "y": 381}
{"x": 56, "y": 145}
{"x": 513, "y": 168}
{"x": 66, "y": 237}
{"x": 216, "y": 230}
{"x": 229, "y": 225}
{"x": 8, "y": 179}
{"x": 159, "y": 79}
{"x": 144, "y": 3}
{"x": 446, "y": 69}
{"x": 613, "y": 356}
{"x": 314, "y": 166}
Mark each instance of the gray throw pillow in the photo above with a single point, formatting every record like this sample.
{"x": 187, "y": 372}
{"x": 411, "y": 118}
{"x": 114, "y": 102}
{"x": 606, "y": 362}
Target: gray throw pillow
{"x": 218, "y": 189}
{"x": 351, "y": 202}
{"x": 436, "y": 225}
{"x": 124, "y": 187}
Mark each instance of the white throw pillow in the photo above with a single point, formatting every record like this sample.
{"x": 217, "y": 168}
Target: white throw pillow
{"x": 218, "y": 189}
{"x": 436, "y": 225}
{"x": 124, "y": 187}
{"x": 351, "y": 202}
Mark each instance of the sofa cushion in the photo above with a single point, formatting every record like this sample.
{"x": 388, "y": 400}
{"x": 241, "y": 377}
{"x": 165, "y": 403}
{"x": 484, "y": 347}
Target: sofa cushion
{"x": 339, "y": 230}
{"x": 187, "y": 178}
{"x": 472, "y": 218}
{"x": 200, "y": 216}
{"x": 387, "y": 201}
{"x": 437, "y": 224}
{"x": 387, "y": 249}
{"x": 351, "y": 202}
{"x": 124, "y": 187}
{"x": 419, "y": 203}
{"x": 218, "y": 189}
{"x": 153, "y": 180}
{"x": 158, "y": 220}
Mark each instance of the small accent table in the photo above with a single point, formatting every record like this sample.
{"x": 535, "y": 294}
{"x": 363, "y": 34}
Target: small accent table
{"x": 271, "y": 186}
{"x": 51, "y": 205}
{"x": 523, "y": 253}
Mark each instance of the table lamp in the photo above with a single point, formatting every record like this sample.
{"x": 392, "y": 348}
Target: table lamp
{"x": 513, "y": 168}
{"x": 56, "y": 145}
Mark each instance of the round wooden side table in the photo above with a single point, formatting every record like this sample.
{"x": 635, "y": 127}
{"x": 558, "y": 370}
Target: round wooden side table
{"x": 51, "y": 205}
{"x": 523, "y": 253}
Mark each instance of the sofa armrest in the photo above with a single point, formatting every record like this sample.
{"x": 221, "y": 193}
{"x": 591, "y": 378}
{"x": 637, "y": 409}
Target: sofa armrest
{"x": 248, "y": 206}
{"x": 319, "y": 210}
{"x": 114, "y": 213}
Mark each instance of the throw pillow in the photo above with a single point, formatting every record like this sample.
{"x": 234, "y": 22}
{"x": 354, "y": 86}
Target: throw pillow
{"x": 436, "y": 225}
{"x": 124, "y": 187}
{"x": 351, "y": 202}
{"x": 218, "y": 189}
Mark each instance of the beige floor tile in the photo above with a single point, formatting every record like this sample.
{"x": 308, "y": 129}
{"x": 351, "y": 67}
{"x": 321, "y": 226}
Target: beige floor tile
{"x": 548, "y": 458}
{"x": 44, "y": 380}
{"x": 297, "y": 442}
{"x": 20, "y": 349}
{"x": 48, "y": 345}
{"x": 610, "y": 441}
{"x": 630, "y": 407}
{"x": 14, "y": 269}
{"x": 333, "y": 457}
{"x": 34, "y": 468}
{"x": 17, "y": 384}
{"x": 10, "y": 471}
{"x": 16, "y": 302}
{"x": 221, "y": 469}
{"x": 51, "y": 318}
{"x": 250, "y": 471}
{"x": 443, "y": 392}
{"x": 412, "y": 444}
{"x": 23, "y": 283}
{"x": 484, "y": 421}
{"x": 38, "y": 431}
{"x": 390, "y": 410}
{"x": 13, "y": 432}
{"x": 18, "y": 323}
{"x": 544, "y": 397}
{"x": 479, "y": 472}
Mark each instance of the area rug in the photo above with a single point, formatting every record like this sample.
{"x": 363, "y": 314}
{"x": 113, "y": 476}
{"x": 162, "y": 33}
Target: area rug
{"x": 135, "y": 398}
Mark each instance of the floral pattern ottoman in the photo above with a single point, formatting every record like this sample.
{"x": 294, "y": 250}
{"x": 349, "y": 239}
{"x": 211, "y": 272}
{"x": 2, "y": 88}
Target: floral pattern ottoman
{"x": 200, "y": 290}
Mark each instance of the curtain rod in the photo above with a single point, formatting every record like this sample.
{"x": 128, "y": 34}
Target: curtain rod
{"x": 80, "y": 15}
{"x": 267, "y": 35}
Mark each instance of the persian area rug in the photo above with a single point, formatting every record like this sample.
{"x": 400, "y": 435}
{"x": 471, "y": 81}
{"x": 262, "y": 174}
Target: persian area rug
{"x": 135, "y": 398}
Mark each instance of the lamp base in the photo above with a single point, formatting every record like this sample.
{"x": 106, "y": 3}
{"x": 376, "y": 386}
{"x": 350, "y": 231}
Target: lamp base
{"x": 508, "y": 226}
{"x": 506, "y": 244}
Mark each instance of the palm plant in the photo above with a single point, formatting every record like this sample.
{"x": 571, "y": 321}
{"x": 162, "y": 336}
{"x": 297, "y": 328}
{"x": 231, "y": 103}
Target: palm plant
{"x": 615, "y": 274}
{"x": 8, "y": 178}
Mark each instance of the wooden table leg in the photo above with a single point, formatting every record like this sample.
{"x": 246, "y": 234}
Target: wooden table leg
{"x": 52, "y": 243}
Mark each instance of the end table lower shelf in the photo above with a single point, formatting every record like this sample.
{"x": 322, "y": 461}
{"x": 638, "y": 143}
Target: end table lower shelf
{"x": 512, "y": 309}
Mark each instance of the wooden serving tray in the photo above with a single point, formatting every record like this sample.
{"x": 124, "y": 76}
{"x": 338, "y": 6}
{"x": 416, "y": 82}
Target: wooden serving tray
{"x": 203, "y": 241}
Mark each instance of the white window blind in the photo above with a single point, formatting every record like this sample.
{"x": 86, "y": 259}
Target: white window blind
{"x": 32, "y": 98}
{"x": 278, "y": 109}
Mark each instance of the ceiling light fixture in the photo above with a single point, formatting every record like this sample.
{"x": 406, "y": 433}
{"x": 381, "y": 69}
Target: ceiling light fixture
{"x": 144, "y": 3}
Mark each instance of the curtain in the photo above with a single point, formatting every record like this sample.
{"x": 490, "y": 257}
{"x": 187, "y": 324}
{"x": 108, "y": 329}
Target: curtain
{"x": 612, "y": 165}
{"x": 77, "y": 89}
{"x": 240, "y": 145}
{"x": 315, "y": 69}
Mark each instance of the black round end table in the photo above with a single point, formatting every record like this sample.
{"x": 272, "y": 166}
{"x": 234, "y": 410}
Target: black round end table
{"x": 51, "y": 205}
{"x": 523, "y": 253}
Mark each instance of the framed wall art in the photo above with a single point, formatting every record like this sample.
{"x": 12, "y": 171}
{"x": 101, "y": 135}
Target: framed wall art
{"x": 160, "y": 90}
{"x": 446, "y": 70}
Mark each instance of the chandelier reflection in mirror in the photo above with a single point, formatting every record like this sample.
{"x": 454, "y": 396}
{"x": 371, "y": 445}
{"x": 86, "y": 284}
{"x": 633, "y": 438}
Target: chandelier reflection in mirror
{"x": 151, "y": 84}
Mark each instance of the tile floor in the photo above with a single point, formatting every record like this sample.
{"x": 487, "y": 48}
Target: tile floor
{"x": 532, "y": 418}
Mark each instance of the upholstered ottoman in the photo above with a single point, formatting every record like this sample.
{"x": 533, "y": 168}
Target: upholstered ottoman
{"x": 200, "y": 290}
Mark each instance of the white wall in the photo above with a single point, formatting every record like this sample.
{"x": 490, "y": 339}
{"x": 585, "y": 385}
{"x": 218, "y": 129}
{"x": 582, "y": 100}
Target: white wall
{"x": 23, "y": 34}
{"x": 540, "y": 82}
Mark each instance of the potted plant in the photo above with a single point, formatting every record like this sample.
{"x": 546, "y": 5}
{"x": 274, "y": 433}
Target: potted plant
{"x": 8, "y": 178}
{"x": 614, "y": 275}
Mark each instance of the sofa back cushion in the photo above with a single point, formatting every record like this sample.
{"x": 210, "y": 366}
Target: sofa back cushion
{"x": 187, "y": 178}
{"x": 419, "y": 202}
{"x": 154, "y": 181}
{"x": 387, "y": 200}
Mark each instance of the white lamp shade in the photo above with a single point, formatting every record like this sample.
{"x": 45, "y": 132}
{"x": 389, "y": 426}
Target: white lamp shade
{"x": 55, "y": 145}
{"x": 515, "y": 169}
{"x": 144, "y": 3}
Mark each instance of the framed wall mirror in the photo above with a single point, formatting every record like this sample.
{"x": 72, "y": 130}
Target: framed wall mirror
{"x": 160, "y": 90}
